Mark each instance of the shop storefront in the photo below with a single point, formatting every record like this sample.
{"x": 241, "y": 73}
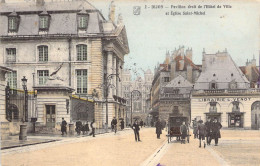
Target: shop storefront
{"x": 231, "y": 111}
{"x": 236, "y": 119}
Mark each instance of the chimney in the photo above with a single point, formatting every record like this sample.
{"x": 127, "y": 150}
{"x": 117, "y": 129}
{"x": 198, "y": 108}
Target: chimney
{"x": 189, "y": 73}
{"x": 189, "y": 54}
{"x": 40, "y": 2}
{"x": 112, "y": 11}
{"x": 119, "y": 19}
{"x": 203, "y": 60}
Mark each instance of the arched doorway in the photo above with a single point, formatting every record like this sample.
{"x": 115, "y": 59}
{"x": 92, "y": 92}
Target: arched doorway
{"x": 236, "y": 114}
{"x": 255, "y": 115}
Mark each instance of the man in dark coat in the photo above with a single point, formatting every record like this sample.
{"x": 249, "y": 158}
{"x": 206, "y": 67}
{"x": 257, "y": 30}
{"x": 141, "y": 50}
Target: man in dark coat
{"x": 158, "y": 126}
{"x": 113, "y": 124}
{"x": 216, "y": 126}
{"x": 202, "y": 132}
{"x": 136, "y": 129}
{"x": 78, "y": 126}
{"x": 195, "y": 128}
{"x": 122, "y": 125}
{"x": 141, "y": 123}
{"x": 184, "y": 132}
{"x": 63, "y": 127}
{"x": 208, "y": 125}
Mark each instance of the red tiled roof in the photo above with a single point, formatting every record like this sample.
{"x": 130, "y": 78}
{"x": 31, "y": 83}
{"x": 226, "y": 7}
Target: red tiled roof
{"x": 187, "y": 62}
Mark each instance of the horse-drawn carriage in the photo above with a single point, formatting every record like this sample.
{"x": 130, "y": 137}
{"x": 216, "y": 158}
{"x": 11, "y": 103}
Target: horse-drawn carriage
{"x": 174, "y": 124}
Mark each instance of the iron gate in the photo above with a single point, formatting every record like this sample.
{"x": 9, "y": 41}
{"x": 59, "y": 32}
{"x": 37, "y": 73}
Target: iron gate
{"x": 17, "y": 102}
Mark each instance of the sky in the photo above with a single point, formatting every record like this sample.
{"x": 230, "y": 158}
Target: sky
{"x": 152, "y": 32}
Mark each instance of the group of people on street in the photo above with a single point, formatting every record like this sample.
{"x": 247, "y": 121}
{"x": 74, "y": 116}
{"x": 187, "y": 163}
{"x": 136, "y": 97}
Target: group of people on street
{"x": 80, "y": 127}
{"x": 210, "y": 130}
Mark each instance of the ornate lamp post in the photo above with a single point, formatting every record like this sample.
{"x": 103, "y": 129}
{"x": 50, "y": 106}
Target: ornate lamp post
{"x": 23, "y": 131}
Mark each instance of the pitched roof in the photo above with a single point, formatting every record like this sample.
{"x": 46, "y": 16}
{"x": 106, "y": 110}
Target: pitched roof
{"x": 63, "y": 17}
{"x": 220, "y": 68}
{"x": 48, "y": 6}
{"x": 179, "y": 82}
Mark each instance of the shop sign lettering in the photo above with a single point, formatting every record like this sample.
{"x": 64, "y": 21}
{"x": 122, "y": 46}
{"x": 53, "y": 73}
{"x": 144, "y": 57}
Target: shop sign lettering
{"x": 225, "y": 99}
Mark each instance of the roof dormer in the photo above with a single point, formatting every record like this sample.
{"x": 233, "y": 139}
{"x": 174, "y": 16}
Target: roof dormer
{"x": 44, "y": 21}
{"x": 82, "y": 19}
{"x": 13, "y": 22}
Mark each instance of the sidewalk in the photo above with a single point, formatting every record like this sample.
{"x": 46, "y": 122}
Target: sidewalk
{"x": 34, "y": 139}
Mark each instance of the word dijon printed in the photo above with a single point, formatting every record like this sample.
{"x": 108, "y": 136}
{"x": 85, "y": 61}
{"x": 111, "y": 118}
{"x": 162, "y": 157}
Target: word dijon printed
{"x": 187, "y": 13}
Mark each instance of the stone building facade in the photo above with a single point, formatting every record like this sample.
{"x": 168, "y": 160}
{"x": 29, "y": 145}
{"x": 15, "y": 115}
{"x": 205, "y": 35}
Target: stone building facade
{"x": 4, "y": 123}
{"x": 177, "y": 64}
{"x": 143, "y": 85}
{"x": 175, "y": 99}
{"x": 223, "y": 92}
{"x": 69, "y": 41}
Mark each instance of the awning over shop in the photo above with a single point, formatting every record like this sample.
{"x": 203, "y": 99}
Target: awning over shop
{"x": 213, "y": 113}
{"x": 236, "y": 113}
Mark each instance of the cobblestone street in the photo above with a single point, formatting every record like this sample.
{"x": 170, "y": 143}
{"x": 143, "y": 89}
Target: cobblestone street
{"x": 236, "y": 147}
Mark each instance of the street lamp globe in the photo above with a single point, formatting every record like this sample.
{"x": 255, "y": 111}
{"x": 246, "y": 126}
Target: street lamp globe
{"x": 24, "y": 82}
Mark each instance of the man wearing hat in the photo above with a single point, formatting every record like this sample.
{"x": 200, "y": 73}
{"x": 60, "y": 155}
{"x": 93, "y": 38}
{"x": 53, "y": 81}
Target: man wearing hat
{"x": 202, "y": 132}
{"x": 136, "y": 129}
{"x": 114, "y": 124}
{"x": 208, "y": 125}
{"x": 216, "y": 126}
{"x": 63, "y": 127}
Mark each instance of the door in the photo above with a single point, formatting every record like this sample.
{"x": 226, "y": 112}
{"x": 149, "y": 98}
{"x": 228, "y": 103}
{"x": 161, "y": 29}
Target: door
{"x": 50, "y": 116}
{"x": 255, "y": 115}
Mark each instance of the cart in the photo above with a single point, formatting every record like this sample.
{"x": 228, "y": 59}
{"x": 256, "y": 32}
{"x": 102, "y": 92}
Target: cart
{"x": 174, "y": 124}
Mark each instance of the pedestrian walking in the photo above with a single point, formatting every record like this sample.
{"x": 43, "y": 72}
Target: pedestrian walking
{"x": 78, "y": 126}
{"x": 141, "y": 123}
{"x": 158, "y": 127}
{"x": 202, "y": 132}
{"x": 195, "y": 128}
{"x": 122, "y": 124}
{"x": 63, "y": 127}
{"x": 184, "y": 132}
{"x": 216, "y": 126}
{"x": 114, "y": 124}
{"x": 208, "y": 125}
{"x": 136, "y": 129}
{"x": 83, "y": 128}
{"x": 86, "y": 128}
{"x": 93, "y": 127}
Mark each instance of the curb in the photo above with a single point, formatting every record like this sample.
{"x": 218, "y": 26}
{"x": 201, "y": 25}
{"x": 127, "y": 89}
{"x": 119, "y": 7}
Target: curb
{"x": 15, "y": 146}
